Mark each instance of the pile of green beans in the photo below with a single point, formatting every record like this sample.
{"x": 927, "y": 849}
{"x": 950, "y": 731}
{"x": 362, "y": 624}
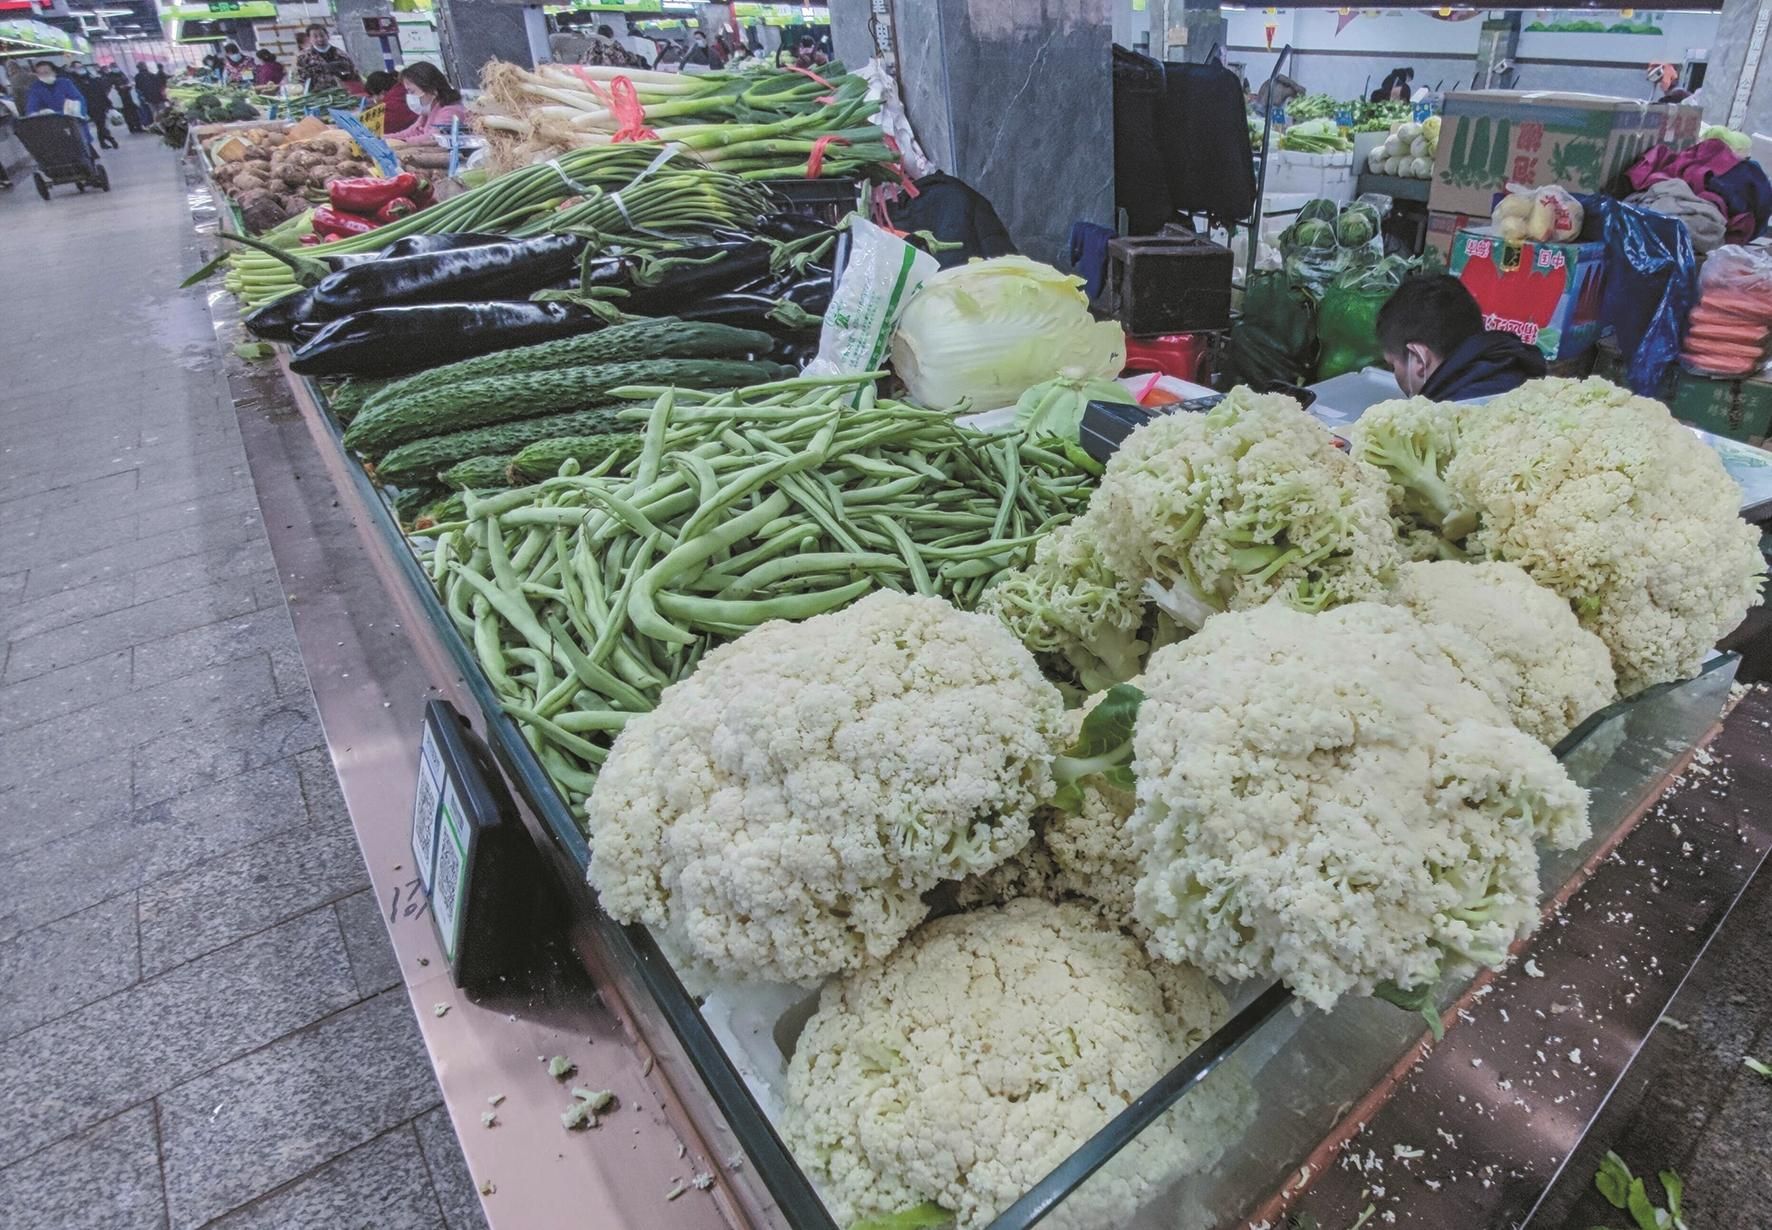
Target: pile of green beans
{"x": 585, "y": 595}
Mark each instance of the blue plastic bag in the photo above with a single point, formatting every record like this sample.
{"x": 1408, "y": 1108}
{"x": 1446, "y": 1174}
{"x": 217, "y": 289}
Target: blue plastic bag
{"x": 1651, "y": 285}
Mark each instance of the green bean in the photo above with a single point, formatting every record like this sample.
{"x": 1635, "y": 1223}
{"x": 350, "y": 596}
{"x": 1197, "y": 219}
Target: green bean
{"x": 641, "y": 610}
{"x": 913, "y": 558}
{"x": 766, "y": 575}
{"x": 726, "y": 613}
{"x": 584, "y": 749}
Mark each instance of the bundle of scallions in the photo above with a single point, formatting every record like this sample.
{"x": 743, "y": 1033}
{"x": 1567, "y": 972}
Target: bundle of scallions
{"x": 654, "y": 197}
{"x": 760, "y": 123}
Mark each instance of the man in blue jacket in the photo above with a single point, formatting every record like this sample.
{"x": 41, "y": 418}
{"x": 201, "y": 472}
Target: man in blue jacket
{"x": 1431, "y": 332}
{"x": 52, "y": 92}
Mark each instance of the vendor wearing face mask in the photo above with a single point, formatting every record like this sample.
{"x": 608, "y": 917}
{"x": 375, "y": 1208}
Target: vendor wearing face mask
{"x": 236, "y": 68}
{"x": 321, "y": 66}
{"x": 432, "y": 99}
{"x": 1431, "y": 332}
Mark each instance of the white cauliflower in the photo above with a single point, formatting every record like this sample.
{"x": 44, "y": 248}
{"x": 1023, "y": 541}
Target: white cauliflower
{"x": 1081, "y": 847}
{"x": 1530, "y": 653}
{"x": 1199, "y": 513}
{"x": 1600, "y": 495}
{"x": 781, "y": 812}
{"x": 968, "y": 1064}
{"x": 1326, "y": 800}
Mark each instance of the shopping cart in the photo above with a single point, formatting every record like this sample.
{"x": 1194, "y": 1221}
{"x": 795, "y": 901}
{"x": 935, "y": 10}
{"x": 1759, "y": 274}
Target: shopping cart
{"x": 57, "y": 144}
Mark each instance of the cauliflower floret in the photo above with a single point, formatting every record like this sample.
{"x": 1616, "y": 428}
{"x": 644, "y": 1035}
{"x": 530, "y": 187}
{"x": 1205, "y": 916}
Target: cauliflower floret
{"x": 1325, "y": 799}
{"x": 1081, "y": 848}
{"x": 1080, "y": 621}
{"x": 1599, "y": 495}
{"x": 782, "y": 811}
{"x": 985, "y": 1050}
{"x": 1199, "y": 513}
{"x": 1531, "y": 654}
{"x": 1412, "y": 441}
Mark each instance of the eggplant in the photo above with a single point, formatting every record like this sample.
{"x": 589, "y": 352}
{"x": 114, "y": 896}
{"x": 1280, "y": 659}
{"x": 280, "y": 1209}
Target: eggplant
{"x": 495, "y": 270}
{"x": 732, "y": 267}
{"x": 788, "y": 227}
{"x": 392, "y": 341}
{"x": 415, "y": 245}
{"x": 278, "y": 320}
{"x": 744, "y": 309}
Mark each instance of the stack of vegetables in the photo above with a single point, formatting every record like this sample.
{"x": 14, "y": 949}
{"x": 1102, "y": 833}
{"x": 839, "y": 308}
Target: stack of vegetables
{"x": 761, "y": 124}
{"x": 1408, "y": 151}
{"x": 1320, "y": 136}
{"x": 471, "y": 424}
{"x": 275, "y": 175}
{"x": 615, "y": 192}
{"x": 1382, "y": 116}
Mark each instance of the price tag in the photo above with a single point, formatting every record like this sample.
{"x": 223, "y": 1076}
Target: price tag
{"x": 449, "y": 885}
{"x": 379, "y": 151}
{"x": 425, "y": 808}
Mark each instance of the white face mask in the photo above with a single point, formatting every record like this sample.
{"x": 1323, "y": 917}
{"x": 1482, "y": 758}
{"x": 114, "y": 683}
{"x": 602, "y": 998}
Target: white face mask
{"x": 417, "y": 103}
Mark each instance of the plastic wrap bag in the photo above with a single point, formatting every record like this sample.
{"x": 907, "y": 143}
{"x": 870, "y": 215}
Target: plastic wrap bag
{"x": 1651, "y": 284}
{"x": 1732, "y": 323}
{"x": 1347, "y": 319}
{"x": 1327, "y": 239}
{"x": 1276, "y": 336}
{"x": 1548, "y": 213}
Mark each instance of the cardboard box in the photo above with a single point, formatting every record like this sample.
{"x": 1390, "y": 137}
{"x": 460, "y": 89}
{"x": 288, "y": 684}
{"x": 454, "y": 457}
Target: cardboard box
{"x": 1443, "y": 228}
{"x": 1546, "y": 293}
{"x": 1491, "y": 138}
{"x": 1739, "y": 409}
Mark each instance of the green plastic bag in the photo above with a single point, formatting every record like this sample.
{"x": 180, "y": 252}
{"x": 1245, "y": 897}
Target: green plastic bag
{"x": 1347, "y": 317}
{"x": 1275, "y": 338}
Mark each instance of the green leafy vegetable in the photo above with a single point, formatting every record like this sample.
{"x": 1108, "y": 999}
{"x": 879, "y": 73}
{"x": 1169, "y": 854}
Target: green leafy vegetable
{"x": 1103, "y": 748}
{"x": 1756, "y": 1067}
{"x": 925, "y": 1216}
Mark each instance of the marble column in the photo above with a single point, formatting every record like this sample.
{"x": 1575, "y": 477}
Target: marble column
{"x": 471, "y": 32}
{"x": 364, "y": 50}
{"x": 1015, "y": 97}
{"x": 1736, "y": 26}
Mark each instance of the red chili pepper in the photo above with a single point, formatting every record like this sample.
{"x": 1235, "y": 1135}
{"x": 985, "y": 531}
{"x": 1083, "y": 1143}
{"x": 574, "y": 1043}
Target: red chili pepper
{"x": 397, "y": 208}
{"x": 335, "y": 223}
{"x": 366, "y": 195}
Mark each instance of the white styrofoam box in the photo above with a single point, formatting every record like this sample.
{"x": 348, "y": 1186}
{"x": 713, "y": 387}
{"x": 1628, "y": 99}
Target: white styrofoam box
{"x": 1331, "y": 179}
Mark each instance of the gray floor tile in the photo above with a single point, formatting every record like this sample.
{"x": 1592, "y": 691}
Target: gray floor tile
{"x": 455, "y": 1187}
{"x": 373, "y": 962}
{"x": 219, "y": 900}
{"x": 143, "y": 553}
{"x": 273, "y": 1115}
{"x": 58, "y": 877}
{"x": 88, "y": 1065}
{"x": 320, "y": 788}
{"x": 41, "y": 809}
{"x": 266, "y": 732}
{"x": 250, "y": 556}
{"x": 12, "y": 587}
{"x": 107, "y": 491}
{"x": 70, "y": 606}
{"x": 67, "y": 964}
{"x": 43, "y": 698}
{"x": 381, "y": 1185}
{"x": 146, "y": 621}
{"x": 107, "y": 1176}
{"x": 238, "y": 504}
{"x": 264, "y": 631}
{"x": 196, "y": 704}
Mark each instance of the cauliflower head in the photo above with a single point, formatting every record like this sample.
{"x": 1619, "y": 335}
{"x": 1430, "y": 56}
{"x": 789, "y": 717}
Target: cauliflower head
{"x": 1325, "y": 799}
{"x": 1603, "y": 497}
{"x": 781, "y": 812}
{"x": 968, "y": 1064}
{"x": 1530, "y": 653}
{"x": 1200, "y": 513}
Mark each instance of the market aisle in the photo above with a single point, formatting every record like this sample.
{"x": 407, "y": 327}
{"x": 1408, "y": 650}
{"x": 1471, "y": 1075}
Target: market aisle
{"x": 201, "y": 1022}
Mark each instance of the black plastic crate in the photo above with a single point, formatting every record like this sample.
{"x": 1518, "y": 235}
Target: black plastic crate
{"x": 1171, "y": 283}
{"x": 828, "y": 200}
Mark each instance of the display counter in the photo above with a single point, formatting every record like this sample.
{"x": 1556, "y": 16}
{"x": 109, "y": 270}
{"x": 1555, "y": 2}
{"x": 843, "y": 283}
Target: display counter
{"x": 1283, "y": 1089}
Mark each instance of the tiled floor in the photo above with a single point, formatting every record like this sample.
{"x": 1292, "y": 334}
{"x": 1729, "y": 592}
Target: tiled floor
{"x": 201, "y": 1021}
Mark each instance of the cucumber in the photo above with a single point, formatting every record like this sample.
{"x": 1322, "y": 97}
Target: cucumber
{"x": 544, "y": 458}
{"x": 485, "y": 400}
{"x": 450, "y": 508}
{"x": 484, "y": 473}
{"x": 421, "y": 459}
{"x": 349, "y": 398}
{"x": 665, "y": 337}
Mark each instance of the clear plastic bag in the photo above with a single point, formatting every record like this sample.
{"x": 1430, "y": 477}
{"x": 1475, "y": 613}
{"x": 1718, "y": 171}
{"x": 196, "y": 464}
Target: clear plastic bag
{"x": 1731, "y": 325}
{"x": 1540, "y": 215}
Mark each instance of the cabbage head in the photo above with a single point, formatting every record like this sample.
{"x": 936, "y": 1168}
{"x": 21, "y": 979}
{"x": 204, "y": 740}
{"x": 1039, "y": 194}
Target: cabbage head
{"x": 978, "y": 336}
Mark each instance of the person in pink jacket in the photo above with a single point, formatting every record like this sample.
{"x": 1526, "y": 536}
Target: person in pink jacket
{"x": 432, "y": 99}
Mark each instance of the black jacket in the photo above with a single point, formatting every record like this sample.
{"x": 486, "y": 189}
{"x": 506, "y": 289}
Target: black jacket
{"x": 1484, "y": 365}
{"x": 954, "y": 212}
